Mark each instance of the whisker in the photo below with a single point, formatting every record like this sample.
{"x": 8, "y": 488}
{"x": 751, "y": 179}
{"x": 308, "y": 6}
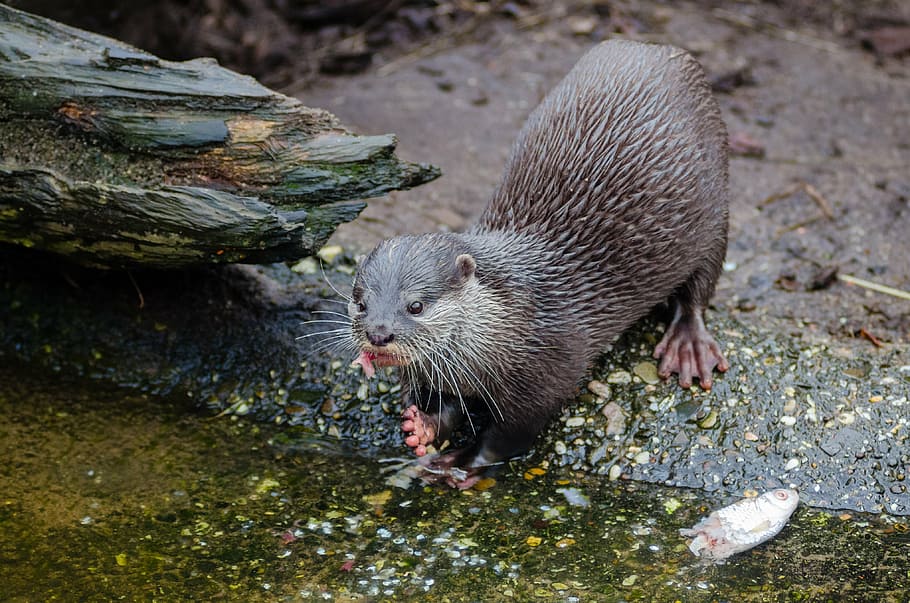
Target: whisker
{"x": 331, "y": 312}
{"x": 435, "y": 379}
{"x": 326, "y": 278}
{"x": 440, "y": 363}
{"x": 325, "y": 320}
{"x": 419, "y": 370}
{"x": 333, "y": 344}
{"x": 336, "y": 332}
{"x": 333, "y": 337}
{"x": 486, "y": 396}
{"x": 430, "y": 377}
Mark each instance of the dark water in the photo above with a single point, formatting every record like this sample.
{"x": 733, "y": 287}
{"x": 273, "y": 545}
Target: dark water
{"x": 106, "y": 495}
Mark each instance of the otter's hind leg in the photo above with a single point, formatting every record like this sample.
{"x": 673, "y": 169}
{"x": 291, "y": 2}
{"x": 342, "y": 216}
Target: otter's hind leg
{"x": 498, "y": 442}
{"x": 687, "y": 347}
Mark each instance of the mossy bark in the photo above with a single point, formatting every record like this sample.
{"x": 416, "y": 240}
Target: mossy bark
{"x": 115, "y": 157}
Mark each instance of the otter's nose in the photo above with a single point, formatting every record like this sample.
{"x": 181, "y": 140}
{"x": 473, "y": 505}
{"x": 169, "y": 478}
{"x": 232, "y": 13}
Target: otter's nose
{"x": 380, "y": 336}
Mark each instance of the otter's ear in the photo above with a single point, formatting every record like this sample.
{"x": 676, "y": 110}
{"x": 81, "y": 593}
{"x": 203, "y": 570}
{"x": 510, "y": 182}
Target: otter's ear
{"x": 464, "y": 267}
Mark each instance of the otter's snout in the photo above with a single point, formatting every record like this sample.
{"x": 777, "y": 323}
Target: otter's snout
{"x": 380, "y": 336}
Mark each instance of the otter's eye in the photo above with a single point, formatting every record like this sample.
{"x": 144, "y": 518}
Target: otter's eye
{"x": 415, "y": 307}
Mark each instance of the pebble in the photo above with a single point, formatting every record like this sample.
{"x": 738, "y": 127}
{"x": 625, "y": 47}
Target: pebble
{"x": 791, "y": 464}
{"x": 307, "y": 265}
{"x": 328, "y": 253}
{"x": 616, "y": 419}
{"x": 709, "y": 421}
{"x": 788, "y": 420}
{"x": 619, "y": 378}
{"x": 583, "y": 25}
{"x": 599, "y": 389}
{"x": 671, "y": 505}
{"x": 614, "y": 473}
{"x": 647, "y": 371}
{"x": 575, "y": 421}
{"x": 643, "y": 457}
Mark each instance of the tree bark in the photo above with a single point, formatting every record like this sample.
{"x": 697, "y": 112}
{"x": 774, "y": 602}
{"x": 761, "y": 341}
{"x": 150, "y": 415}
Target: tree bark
{"x": 114, "y": 157}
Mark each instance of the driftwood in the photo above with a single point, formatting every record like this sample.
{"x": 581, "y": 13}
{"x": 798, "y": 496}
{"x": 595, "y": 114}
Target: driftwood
{"x": 114, "y": 157}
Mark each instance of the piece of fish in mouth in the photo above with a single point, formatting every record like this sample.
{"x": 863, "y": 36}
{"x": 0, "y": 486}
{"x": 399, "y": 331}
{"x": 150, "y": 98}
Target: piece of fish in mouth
{"x": 365, "y": 361}
{"x": 741, "y": 526}
{"x": 369, "y": 360}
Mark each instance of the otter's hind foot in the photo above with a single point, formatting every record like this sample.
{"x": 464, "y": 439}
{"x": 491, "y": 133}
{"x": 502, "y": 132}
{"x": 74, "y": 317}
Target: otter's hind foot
{"x": 689, "y": 350}
{"x": 421, "y": 427}
{"x": 443, "y": 468}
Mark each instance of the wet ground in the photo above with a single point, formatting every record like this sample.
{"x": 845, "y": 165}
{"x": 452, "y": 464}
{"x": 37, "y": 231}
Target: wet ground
{"x": 232, "y": 462}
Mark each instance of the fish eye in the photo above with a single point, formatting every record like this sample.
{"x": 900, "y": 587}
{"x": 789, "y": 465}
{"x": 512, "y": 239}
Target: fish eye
{"x": 415, "y": 308}
{"x": 781, "y": 494}
{"x": 361, "y": 307}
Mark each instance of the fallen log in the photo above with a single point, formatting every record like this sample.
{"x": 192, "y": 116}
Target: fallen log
{"x": 116, "y": 158}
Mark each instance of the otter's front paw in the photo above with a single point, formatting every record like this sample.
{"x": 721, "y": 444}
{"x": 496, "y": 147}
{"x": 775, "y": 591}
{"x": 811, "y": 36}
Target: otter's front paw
{"x": 421, "y": 427}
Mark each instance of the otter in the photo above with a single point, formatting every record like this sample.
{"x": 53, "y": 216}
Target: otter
{"x": 613, "y": 202}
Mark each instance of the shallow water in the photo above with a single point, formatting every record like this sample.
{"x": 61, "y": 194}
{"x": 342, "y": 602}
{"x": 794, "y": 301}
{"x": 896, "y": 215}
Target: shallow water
{"x": 107, "y": 495}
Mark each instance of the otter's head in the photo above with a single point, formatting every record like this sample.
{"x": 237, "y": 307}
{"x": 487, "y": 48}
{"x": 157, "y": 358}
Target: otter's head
{"x": 406, "y": 301}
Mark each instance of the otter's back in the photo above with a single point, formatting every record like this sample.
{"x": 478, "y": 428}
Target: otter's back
{"x": 631, "y": 122}
{"x": 622, "y": 173}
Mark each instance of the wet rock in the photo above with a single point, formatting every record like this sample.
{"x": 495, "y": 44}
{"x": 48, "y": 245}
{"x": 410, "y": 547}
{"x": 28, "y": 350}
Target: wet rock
{"x": 616, "y": 419}
{"x": 647, "y": 372}
{"x": 599, "y": 389}
{"x": 619, "y": 378}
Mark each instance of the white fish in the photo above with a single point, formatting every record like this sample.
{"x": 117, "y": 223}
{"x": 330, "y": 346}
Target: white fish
{"x": 742, "y": 525}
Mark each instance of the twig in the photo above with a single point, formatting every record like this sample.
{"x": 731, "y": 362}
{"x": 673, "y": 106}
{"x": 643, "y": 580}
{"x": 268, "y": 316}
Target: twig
{"x": 819, "y": 200}
{"x": 812, "y": 193}
{"x": 874, "y": 286}
{"x": 796, "y": 226}
{"x": 867, "y": 335}
{"x": 138, "y": 290}
{"x": 782, "y": 195}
